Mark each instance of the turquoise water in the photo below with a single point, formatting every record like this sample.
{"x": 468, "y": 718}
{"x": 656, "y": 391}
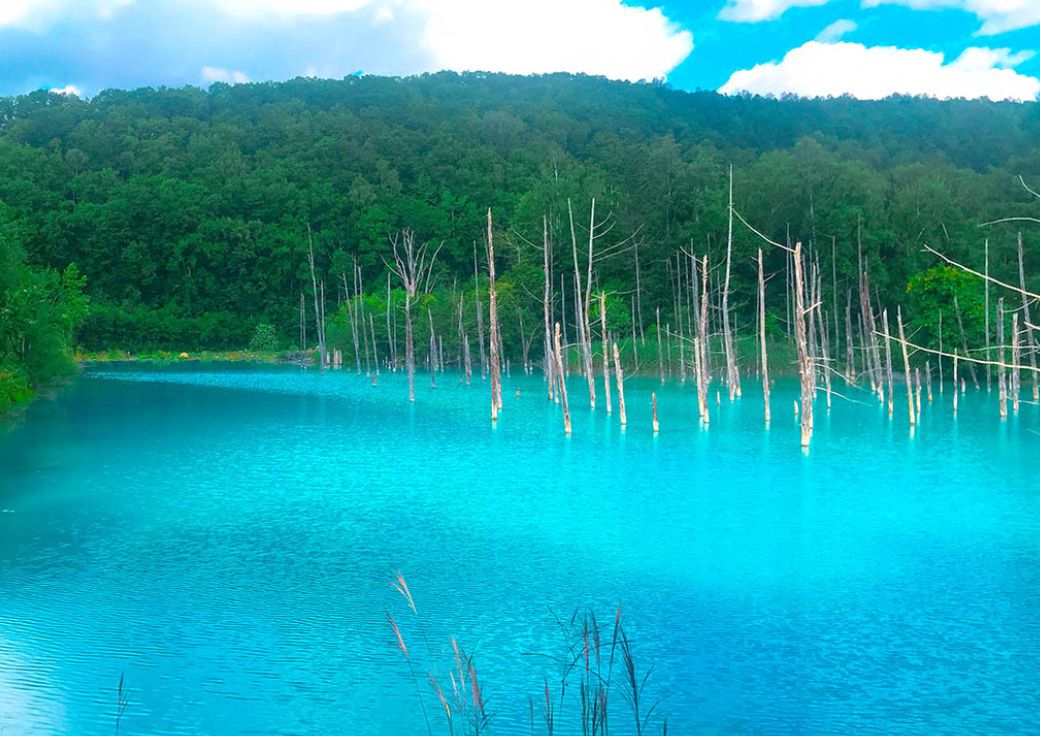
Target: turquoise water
{"x": 225, "y": 536}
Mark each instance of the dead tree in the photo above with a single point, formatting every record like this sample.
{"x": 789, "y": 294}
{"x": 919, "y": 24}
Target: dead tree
{"x": 606, "y": 351}
{"x": 1030, "y": 339}
{"x": 413, "y": 266}
{"x": 480, "y": 314}
{"x": 549, "y": 362}
{"x": 620, "y": 387}
{"x": 964, "y": 340}
{"x": 562, "y": 383}
{"x": 319, "y": 308}
{"x": 495, "y": 368}
{"x": 805, "y": 367}
{"x": 1016, "y": 360}
{"x": 653, "y": 403}
{"x": 581, "y": 305}
{"x": 906, "y": 368}
{"x": 762, "y": 334}
{"x": 1002, "y": 375}
{"x": 732, "y": 372}
{"x": 888, "y": 362}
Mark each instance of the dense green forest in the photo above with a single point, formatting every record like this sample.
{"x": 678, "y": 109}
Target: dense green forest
{"x": 39, "y": 308}
{"x": 187, "y": 211}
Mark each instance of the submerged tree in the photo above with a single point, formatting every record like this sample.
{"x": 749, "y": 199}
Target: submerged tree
{"x": 413, "y": 266}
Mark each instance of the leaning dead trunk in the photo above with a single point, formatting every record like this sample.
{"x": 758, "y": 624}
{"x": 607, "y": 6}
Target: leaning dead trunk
{"x": 561, "y": 383}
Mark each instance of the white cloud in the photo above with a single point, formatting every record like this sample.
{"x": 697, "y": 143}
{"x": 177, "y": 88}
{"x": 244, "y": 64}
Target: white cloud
{"x": 836, "y": 31}
{"x": 211, "y": 74}
{"x": 40, "y": 14}
{"x": 603, "y": 37}
{"x": 997, "y": 16}
{"x": 69, "y": 89}
{"x": 832, "y": 69}
{"x": 753, "y": 11}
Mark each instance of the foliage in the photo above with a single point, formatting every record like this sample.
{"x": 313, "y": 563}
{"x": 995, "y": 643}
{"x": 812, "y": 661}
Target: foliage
{"x": 188, "y": 210}
{"x": 264, "y": 340}
{"x": 933, "y": 298}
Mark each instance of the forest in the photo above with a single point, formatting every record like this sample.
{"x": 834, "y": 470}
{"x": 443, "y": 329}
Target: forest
{"x": 188, "y": 216}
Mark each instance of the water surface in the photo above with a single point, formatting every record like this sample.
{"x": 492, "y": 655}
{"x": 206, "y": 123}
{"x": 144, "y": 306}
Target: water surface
{"x": 225, "y": 535}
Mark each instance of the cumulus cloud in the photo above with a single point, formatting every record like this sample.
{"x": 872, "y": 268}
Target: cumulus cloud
{"x": 836, "y": 31}
{"x": 997, "y": 16}
{"x": 211, "y": 74}
{"x": 818, "y": 69}
{"x": 603, "y": 37}
{"x": 753, "y": 11}
{"x": 129, "y": 43}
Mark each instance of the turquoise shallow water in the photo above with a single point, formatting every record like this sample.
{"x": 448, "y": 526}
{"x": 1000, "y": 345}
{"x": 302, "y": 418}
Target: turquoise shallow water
{"x": 225, "y": 536}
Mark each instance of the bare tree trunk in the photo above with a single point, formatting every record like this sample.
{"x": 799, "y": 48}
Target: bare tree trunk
{"x": 732, "y": 372}
{"x": 638, "y": 314}
{"x": 964, "y": 341}
{"x": 433, "y": 351}
{"x": 888, "y": 363}
{"x": 581, "y": 305}
{"x": 562, "y": 384}
{"x": 318, "y": 311}
{"x": 390, "y": 334}
{"x": 412, "y": 265}
{"x": 1016, "y": 361}
{"x": 549, "y": 362}
{"x": 606, "y": 348}
{"x": 705, "y": 377}
{"x": 409, "y": 347}
{"x": 928, "y": 378}
{"x": 1002, "y": 375}
{"x": 805, "y": 369}
{"x": 989, "y": 355}
{"x": 620, "y": 387}
{"x": 660, "y": 352}
{"x": 850, "y": 354}
{"x": 496, "y": 375}
{"x": 762, "y": 334}
{"x": 303, "y": 322}
{"x": 480, "y": 315}
{"x": 353, "y": 323}
{"x": 1030, "y": 339}
{"x": 955, "y": 382}
{"x": 906, "y": 368}
{"x": 375, "y": 350}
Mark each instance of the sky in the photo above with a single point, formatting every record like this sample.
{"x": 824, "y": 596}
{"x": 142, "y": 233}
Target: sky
{"x": 817, "y": 48}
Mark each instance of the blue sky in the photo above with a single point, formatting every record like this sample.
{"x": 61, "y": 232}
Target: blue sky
{"x": 867, "y": 48}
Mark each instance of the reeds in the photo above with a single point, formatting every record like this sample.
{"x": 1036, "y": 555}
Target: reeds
{"x": 596, "y": 662}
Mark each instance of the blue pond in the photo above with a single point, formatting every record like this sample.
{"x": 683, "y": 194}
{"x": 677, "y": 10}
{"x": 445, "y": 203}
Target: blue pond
{"x": 225, "y": 537}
